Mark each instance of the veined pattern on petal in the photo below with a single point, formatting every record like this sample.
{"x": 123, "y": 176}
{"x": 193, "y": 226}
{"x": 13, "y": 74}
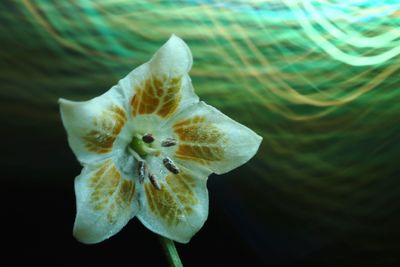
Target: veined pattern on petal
{"x": 199, "y": 140}
{"x": 174, "y": 201}
{"x": 106, "y": 129}
{"x": 157, "y": 95}
{"x": 110, "y": 192}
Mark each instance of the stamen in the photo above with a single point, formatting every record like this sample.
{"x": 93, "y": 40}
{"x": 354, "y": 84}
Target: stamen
{"x": 142, "y": 171}
{"x": 134, "y": 154}
{"x": 168, "y": 142}
{"x": 154, "y": 182}
{"x": 170, "y": 165}
{"x": 148, "y": 138}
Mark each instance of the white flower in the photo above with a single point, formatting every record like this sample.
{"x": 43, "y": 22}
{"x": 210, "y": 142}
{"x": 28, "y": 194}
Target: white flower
{"x": 147, "y": 147}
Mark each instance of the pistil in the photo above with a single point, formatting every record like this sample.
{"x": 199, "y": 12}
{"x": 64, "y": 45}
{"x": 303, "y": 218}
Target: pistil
{"x": 143, "y": 148}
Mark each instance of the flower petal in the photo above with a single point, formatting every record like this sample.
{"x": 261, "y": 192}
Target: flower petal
{"x": 162, "y": 86}
{"x": 105, "y": 202}
{"x": 211, "y": 139}
{"x": 93, "y": 126}
{"x": 172, "y": 59}
{"x": 179, "y": 209}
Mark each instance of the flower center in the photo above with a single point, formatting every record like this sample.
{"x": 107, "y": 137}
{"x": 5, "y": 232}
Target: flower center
{"x": 141, "y": 146}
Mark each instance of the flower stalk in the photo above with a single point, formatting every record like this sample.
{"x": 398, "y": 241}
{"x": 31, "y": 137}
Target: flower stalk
{"x": 170, "y": 252}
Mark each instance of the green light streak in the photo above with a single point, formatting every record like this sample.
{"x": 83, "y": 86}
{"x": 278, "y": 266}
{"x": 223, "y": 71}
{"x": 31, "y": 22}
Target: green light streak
{"x": 352, "y": 37}
{"x": 332, "y": 50}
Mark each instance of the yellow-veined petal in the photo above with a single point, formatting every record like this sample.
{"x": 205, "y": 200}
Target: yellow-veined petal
{"x": 93, "y": 126}
{"x": 180, "y": 208}
{"x": 210, "y": 139}
{"x": 162, "y": 86}
{"x": 105, "y": 202}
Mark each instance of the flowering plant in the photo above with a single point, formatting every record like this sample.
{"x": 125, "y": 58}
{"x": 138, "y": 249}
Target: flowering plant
{"x": 147, "y": 147}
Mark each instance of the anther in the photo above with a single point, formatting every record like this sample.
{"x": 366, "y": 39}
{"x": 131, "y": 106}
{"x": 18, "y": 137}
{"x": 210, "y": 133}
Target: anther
{"x": 168, "y": 142}
{"x": 148, "y": 138}
{"x": 154, "y": 182}
{"x": 169, "y": 164}
{"x": 142, "y": 170}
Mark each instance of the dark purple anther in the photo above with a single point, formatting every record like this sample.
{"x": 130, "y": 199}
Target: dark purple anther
{"x": 168, "y": 142}
{"x": 154, "y": 182}
{"x": 148, "y": 138}
{"x": 169, "y": 164}
{"x": 141, "y": 170}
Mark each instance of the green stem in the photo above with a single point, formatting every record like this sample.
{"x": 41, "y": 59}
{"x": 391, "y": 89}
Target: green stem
{"x": 171, "y": 252}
